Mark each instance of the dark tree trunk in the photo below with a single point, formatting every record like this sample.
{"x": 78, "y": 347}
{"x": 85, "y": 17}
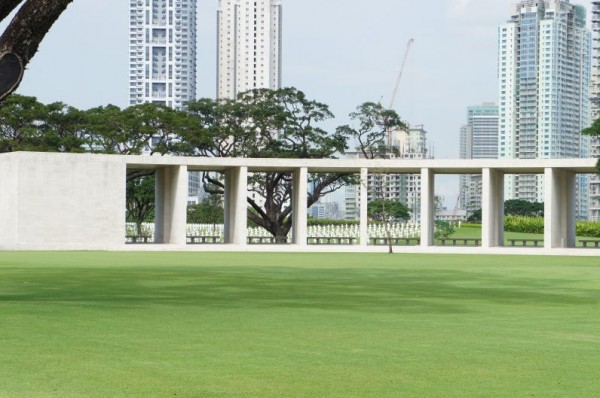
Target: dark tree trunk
{"x": 7, "y": 6}
{"x": 21, "y": 39}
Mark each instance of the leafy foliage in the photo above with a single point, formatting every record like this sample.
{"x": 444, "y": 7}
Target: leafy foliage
{"x": 373, "y": 123}
{"x": 594, "y": 131}
{"x": 514, "y": 207}
{"x": 209, "y": 211}
{"x": 588, "y": 229}
{"x": 140, "y": 201}
{"x": 443, "y": 229}
{"x": 529, "y": 225}
{"x": 388, "y": 210}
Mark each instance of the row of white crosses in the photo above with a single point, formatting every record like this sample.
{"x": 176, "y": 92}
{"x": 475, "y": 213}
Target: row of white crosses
{"x": 396, "y": 230}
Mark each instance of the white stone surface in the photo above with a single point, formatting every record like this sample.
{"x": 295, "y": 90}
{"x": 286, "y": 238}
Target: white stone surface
{"x": 51, "y": 201}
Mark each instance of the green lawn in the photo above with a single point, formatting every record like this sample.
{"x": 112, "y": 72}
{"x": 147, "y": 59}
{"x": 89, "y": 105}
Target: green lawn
{"x": 298, "y": 325}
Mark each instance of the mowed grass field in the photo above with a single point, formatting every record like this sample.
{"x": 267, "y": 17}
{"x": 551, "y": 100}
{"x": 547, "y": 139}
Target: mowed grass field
{"x": 298, "y": 325}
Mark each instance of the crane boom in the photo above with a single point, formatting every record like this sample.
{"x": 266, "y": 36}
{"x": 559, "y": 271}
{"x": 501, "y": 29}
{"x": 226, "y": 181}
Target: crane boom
{"x": 395, "y": 93}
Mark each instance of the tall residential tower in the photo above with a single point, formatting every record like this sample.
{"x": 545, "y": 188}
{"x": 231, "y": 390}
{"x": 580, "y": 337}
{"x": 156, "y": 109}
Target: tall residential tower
{"x": 595, "y": 142}
{"x": 249, "y": 46}
{"x": 162, "y": 52}
{"x": 478, "y": 140}
{"x": 544, "y": 75}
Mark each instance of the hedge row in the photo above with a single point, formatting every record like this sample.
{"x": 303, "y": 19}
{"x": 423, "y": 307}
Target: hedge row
{"x": 535, "y": 225}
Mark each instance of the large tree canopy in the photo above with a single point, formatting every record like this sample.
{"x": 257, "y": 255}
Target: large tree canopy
{"x": 265, "y": 123}
{"x": 22, "y": 37}
{"x": 260, "y": 123}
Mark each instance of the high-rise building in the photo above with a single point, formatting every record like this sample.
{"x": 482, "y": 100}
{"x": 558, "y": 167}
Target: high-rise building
{"x": 544, "y": 73}
{"x": 249, "y": 46}
{"x": 595, "y": 142}
{"x": 478, "y": 140}
{"x": 162, "y": 58}
{"x": 162, "y": 52}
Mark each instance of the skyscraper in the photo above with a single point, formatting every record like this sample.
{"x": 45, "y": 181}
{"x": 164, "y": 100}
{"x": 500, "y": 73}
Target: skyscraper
{"x": 478, "y": 140}
{"x": 162, "y": 52}
{"x": 595, "y": 143}
{"x": 162, "y": 58}
{"x": 544, "y": 75}
{"x": 249, "y": 46}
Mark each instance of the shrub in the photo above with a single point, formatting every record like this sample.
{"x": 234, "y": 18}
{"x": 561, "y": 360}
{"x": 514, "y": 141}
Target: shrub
{"x": 443, "y": 229}
{"x": 588, "y": 229}
{"x": 527, "y": 225}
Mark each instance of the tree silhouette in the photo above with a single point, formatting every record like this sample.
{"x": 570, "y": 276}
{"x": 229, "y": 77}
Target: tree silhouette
{"x": 22, "y": 37}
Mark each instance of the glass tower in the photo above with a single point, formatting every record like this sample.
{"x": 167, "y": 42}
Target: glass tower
{"x": 544, "y": 74}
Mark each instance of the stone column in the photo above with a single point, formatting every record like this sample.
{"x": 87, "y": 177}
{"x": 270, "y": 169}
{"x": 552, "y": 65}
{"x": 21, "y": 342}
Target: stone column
{"x": 170, "y": 214}
{"x": 559, "y": 208}
{"x": 427, "y": 206}
{"x": 236, "y": 208}
{"x": 364, "y": 203}
{"x": 492, "y": 202}
{"x": 299, "y": 206}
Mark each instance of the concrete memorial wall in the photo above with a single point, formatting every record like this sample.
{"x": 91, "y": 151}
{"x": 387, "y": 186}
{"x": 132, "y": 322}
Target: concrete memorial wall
{"x": 54, "y": 201}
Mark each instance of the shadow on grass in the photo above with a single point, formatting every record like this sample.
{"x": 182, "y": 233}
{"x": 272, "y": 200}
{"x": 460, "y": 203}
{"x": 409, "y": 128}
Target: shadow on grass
{"x": 369, "y": 290}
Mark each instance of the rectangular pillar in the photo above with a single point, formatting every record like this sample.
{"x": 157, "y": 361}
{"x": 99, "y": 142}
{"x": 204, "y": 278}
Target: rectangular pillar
{"x": 236, "y": 208}
{"x": 559, "y": 208}
{"x": 492, "y": 201}
{"x": 427, "y": 206}
{"x": 364, "y": 204}
{"x": 299, "y": 206}
{"x": 170, "y": 214}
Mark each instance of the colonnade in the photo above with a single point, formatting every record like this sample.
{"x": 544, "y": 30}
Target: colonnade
{"x": 172, "y": 188}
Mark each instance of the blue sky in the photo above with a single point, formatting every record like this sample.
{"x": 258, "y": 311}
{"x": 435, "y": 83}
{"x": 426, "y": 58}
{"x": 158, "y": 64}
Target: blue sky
{"x": 341, "y": 52}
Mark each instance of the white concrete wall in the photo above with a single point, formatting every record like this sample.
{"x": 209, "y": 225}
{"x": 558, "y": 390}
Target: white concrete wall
{"x": 73, "y": 201}
{"x": 63, "y": 201}
{"x": 9, "y": 199}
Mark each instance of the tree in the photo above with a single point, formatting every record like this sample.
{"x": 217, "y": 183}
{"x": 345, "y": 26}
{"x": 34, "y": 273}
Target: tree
{"x": 594, "y": 131}
{"x": 209, "y": 211}
{"x": 266, "y": 123}
{"x": 518, "y": 207}
{"x": 28, "y": 125}
{"x": 475, "y": 218}
{"x": 22, "y": 37}
{"x": 514, "y": 207}
{"x": 140, "y": 201}
{"x": 374, "y": 122}
{"x": 20, "y": 118}
{"x": 388, "y": 210}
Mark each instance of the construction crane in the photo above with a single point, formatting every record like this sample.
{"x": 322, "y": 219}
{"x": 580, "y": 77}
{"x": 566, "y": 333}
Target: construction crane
{"x": 395, "y": 93}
